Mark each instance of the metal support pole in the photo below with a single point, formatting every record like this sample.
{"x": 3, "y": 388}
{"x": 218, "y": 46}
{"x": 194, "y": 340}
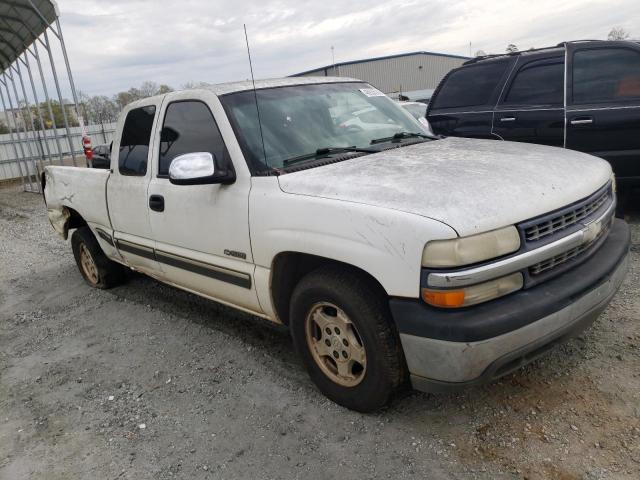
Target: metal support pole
{"x": 66, "y": 62}
{"x": 35, "y": 99}
{"x": 46, "y": 96}
{"x": 36, "y": 55}
{"x": 33, "y": 127}
{"x": 13, "y": 142}
{"x": 24, "y": 130}
{"x": 64, "y": 110}
{"x": 24, "y": 156}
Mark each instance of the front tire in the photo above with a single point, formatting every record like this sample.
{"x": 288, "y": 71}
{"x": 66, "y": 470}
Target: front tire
{"x": 342, "y": 328}
{"x": 97, "y": 270}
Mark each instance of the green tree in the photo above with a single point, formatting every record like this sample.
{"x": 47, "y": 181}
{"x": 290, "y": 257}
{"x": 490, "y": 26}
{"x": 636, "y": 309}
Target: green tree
{"x": 58, "y": 117}
{"x": 3, "y": 128}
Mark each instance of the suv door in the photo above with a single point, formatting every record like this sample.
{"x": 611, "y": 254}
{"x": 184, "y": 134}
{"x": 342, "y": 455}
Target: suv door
{"x": 462, "y": 105}
{"x": 127, "y": 187}
{"x": 603, "y": 111}
{"x": 531, "y": 107}
{"x": 202, "y": 233}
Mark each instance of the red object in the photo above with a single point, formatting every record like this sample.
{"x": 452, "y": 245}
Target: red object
{"x": 86, "y": 146}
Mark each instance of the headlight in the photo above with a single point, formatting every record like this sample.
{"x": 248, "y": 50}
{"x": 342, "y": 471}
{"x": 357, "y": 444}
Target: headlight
{"x": 474, "y": 294}
{"x": 466, "y": 250}
{"x": 613, "y": 183}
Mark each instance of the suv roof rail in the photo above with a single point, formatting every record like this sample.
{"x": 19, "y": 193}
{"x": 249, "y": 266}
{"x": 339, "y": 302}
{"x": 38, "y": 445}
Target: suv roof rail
{"x": 562, "y": 44}
{"x": 510, "y": 54}
{"x": 520, "y": 52}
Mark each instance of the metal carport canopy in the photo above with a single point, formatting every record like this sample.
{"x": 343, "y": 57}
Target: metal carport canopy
{"x": 27, "y": 20}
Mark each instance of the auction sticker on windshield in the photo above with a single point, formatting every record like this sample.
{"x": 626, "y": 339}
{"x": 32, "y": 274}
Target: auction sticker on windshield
{"x": 372, "y": 92}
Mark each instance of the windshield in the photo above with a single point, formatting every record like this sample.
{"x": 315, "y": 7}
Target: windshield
{"x": 417, "y": 110}
{"x": 297, "y": 121}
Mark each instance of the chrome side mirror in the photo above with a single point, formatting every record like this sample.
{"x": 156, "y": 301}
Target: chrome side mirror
{"x": 198, "y": 168}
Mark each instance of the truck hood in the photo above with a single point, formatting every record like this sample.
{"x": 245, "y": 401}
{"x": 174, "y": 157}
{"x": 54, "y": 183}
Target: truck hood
{"x": 471, "y": 185}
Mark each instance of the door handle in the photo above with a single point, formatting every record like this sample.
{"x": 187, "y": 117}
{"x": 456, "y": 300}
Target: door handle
{"x": 156, "y": 203}
{"x": 508, "y": 119}
{"x": 582, "y": 121}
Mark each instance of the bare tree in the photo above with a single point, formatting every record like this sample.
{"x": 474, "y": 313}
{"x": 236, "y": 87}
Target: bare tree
{"x": 618, "y": 33}
{"x": 190, "y": 85}
{"x": 512, "y": 48}
{"x": 147, "y": 89}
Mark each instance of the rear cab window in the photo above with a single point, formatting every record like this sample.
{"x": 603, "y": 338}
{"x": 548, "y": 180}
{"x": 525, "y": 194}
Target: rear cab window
{"x": 470, "y": 86}
{"x": 134, "y": 144}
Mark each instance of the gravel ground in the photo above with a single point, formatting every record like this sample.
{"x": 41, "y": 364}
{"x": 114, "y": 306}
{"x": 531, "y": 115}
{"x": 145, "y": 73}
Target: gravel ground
{"x": 146, "y": 381}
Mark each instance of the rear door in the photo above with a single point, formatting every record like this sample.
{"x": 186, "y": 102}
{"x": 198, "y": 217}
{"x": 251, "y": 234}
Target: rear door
{"x": 128, "y": 184}
{"x": 531, "y": 107}
{"x": 202, "y": 231}
{"x": 462, "y": 106}
{"x": 603, "y": 111}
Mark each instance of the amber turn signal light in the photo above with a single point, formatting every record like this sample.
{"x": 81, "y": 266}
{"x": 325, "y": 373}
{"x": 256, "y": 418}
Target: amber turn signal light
{"x": 443, "y": 298}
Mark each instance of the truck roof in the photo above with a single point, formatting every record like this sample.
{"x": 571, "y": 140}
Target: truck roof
{"x": 232, "y": 87}
{"x": 224, "y": 88}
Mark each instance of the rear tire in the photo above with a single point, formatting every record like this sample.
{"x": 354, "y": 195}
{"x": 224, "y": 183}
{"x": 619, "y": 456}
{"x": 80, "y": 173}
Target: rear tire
{"x": 97, "y": 270}
{"x": 342, "y": 328}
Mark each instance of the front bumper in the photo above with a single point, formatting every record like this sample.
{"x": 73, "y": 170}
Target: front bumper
{"x": 448, "y": 349}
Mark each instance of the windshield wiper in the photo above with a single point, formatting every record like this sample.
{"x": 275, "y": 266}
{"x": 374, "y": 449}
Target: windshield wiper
{"x": 320, "y": 152}
{"x": 399, "y": 136}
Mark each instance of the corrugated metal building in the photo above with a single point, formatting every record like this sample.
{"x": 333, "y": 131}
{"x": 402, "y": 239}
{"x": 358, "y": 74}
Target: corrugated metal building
{"x": 393, "y": 73}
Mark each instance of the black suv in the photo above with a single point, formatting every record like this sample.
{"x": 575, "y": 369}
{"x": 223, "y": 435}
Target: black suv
{"x": 583, "y": 95}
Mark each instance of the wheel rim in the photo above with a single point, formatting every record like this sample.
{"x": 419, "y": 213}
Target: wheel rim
{"x": 335, "y": 344}
{"x": 88, "y": 265}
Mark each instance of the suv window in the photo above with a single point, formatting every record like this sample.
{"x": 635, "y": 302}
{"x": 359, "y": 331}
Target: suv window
{"x": 538, "y": 83}
{"x": 189, "y": 127}
{"x": 134, "y": 145}
{"x": 470, "y": 86}
{"x": 606, "y": 75}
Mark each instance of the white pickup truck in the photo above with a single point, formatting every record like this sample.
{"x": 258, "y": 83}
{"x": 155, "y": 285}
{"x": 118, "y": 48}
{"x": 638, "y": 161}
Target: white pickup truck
{"x": 393, "y": 256}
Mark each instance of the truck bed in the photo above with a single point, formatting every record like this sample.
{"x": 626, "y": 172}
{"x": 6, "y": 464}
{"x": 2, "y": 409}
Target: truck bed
{"x": 79, "y": 189}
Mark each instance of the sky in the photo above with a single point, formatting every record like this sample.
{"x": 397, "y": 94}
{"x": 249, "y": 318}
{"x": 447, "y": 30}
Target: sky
{"x": 114, "y": 45}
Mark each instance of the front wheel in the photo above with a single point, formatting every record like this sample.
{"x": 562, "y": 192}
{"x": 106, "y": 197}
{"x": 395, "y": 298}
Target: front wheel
{"x": 341, "y": 327}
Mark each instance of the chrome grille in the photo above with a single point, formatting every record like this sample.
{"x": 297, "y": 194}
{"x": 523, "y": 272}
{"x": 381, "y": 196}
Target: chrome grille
{"x": 565, "y": 219}
{"x": 564, "y": 257}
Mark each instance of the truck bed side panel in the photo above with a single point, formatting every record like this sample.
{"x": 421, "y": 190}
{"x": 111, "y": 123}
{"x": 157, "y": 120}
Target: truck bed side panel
{"x": 80, "y": 189}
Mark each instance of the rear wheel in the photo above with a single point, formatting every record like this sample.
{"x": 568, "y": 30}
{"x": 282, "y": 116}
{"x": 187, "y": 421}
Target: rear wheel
{"x": 95, "y": 267}
{"x": 342, "y": 329}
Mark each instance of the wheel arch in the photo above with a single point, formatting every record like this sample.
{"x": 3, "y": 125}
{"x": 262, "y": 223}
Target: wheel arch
{"x": 289, "y": 267}
{"x": 66, "y": 218}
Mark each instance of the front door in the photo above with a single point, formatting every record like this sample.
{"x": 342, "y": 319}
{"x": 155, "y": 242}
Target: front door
{"x": 603, "y": 111}
{"x": 127, "y": 188}
{"x": 202, "y": 232}
{"x": 531, "y": 107}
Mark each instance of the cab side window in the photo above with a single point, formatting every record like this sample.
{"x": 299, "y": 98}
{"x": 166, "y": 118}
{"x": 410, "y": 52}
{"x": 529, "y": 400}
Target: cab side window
{"x": 606, "y": 75}
{"x": 470, "y": 86}
{"x": 538, "y": 83}
{"x": 189, "y": 127}
{"x": 134, "y": 144}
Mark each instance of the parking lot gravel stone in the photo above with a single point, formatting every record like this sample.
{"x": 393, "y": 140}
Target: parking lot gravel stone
{"x": 147, "y": 381}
